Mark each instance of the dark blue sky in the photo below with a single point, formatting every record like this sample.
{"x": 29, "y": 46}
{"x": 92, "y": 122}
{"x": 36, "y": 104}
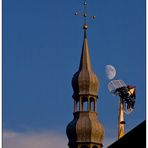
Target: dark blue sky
{"x": 42, "y": 42}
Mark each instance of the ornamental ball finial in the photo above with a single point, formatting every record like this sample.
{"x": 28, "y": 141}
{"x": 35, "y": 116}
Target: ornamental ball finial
{"x": 85, "y": 26}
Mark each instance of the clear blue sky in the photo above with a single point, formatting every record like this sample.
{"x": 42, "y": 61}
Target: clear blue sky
{"x": 42, "y": 42}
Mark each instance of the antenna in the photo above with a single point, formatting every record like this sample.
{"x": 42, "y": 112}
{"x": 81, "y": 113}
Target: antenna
{"x": 127, "y": 96}
{"x": 84, "y": 14}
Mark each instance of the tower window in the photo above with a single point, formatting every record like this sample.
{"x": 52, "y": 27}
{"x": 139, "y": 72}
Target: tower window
{"x": 92, "y": 100}
{"x": 85, "y": 106}
{"x": 92, "y": 106}
{"x": 84, "y": 99}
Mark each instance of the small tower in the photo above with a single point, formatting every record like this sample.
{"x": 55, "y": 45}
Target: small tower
{"x": 84, "y": 131}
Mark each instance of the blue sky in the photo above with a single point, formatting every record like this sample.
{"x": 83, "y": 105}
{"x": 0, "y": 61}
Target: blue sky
{"x": 42, "y": 42}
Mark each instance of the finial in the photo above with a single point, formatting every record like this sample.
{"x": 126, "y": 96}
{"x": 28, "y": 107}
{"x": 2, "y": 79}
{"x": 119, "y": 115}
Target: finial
{"x": 84, "y": 14}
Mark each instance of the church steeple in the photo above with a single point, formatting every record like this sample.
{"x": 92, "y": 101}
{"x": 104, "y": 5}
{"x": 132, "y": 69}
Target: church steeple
{"x": 84, "y": 131}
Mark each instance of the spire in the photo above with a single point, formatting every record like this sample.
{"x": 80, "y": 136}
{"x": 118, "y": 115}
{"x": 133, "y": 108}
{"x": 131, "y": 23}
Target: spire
{"x": 85, "y": 58}
{"x": 84, "y": 80}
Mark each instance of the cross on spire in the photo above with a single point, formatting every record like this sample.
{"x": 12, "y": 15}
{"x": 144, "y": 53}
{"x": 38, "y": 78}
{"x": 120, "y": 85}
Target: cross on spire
{"x": 84, "y": 14}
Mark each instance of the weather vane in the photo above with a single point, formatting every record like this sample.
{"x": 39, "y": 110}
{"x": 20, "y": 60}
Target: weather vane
{"x": 127, "y": 96}
{"x": 84, "y": 14}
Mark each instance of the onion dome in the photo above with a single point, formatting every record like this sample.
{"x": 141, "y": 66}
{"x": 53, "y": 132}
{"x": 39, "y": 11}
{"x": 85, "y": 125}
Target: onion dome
{"x": 84, "y": 81}
{"x": 85, "y": 128}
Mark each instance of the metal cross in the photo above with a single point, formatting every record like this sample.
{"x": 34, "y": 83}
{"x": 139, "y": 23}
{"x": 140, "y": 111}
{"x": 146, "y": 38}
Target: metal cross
{"x": 84, "y": 14}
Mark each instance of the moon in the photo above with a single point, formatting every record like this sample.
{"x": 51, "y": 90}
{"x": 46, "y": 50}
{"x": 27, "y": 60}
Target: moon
{"x": 110, "y": 71}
